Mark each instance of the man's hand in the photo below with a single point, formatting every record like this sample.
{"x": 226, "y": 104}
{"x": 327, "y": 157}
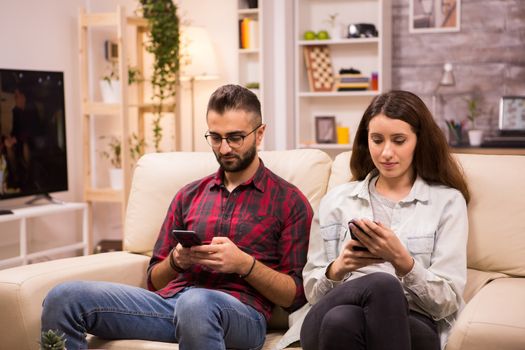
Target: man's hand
{"x": 182, "y": 257}
{"x": 222, "y": 255}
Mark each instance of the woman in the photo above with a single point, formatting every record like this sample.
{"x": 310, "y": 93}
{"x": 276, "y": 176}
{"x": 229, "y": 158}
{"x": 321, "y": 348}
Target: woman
{"x": 399, "y": 283}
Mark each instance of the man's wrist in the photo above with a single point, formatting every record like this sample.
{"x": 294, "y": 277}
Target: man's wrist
{"x": 174, "y": 265}
{"x": 244, "y": 275}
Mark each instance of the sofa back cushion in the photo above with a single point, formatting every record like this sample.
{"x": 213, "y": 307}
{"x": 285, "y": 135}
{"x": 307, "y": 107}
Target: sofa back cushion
{"x": 158, "y": 176}
{"x": 496, "y": 210}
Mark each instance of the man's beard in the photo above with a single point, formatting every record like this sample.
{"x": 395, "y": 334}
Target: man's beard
{"x": 233, "y": 163}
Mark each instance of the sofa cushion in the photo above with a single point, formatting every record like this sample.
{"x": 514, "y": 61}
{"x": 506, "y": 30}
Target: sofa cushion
{"x": 493, "y": 319}
{"x": 128, "y": 344}
{"x": 496, "y": 226}
{"x": 158, "y": 176}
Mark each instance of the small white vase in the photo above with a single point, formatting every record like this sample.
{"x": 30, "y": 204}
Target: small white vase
{"x": 336, "y": 32}
{"x": 116, "y": 178}
{"x": 475, "y": 137}
{"x": 110, "y": 91}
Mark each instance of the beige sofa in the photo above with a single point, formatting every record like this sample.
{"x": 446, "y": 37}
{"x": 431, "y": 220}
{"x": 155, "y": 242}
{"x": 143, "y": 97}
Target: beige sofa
{"x": 494, "y": 317}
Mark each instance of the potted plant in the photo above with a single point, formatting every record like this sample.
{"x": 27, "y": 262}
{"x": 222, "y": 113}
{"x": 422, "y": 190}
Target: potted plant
{"x": 113, "y": 153}
{"x": 475, "y": 136}
{"x": 52, "y": 340}
{"x": 110, "y": 83}
{"x": 335, "y": 28}
{"x": 163, "y": 43}
{"x": 254, "y": 87}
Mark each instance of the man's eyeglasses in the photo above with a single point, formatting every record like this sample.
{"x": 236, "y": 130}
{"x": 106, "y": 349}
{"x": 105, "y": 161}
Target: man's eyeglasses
{"x": 234, "y": 141}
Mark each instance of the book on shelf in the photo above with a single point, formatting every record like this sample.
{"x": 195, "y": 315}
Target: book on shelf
{"x": 248, "y": 33}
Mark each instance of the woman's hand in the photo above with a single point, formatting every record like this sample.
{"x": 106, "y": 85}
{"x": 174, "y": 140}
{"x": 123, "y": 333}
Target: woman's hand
{"x": 384, "y": 243}
{"x": 350, "y": 260}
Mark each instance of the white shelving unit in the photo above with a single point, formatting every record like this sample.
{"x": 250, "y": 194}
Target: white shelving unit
{"x": 365, "y": 54}
{"x": 251, "y": 61}
{"x": 24, "y": 214}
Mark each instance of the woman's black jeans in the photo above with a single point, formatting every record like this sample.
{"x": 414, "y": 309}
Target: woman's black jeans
{"x": 370, "y": 312}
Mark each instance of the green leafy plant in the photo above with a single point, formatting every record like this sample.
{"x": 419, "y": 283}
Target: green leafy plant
{"x": 163, "y": 43}
{"x": 134, "y": 74}
{"x": 252, "y": 85}
{"x": 472, "y": 110}
{"x": 332, "y": 19}
{"x": 52, "y": 340}
{"x": 113, "y": 153}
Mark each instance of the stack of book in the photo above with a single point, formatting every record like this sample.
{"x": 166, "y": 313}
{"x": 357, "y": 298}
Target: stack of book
{"x": 248, "y": 33}
{"x": 351, "y": 80}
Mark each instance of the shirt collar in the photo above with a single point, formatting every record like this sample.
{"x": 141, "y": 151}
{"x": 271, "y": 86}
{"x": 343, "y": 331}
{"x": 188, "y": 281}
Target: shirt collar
{"x": 420, "y": 189}
{"x": 256, "y": 181}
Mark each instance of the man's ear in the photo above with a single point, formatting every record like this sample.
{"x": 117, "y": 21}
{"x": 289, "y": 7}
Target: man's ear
{"x": 260, "y": 133}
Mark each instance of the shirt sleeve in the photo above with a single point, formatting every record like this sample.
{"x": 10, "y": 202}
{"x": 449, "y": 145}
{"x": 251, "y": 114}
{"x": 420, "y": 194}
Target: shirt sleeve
{"x": 322, "y": 251}
{"x": 164, "y": 242}
{"x": 294, "y": 244}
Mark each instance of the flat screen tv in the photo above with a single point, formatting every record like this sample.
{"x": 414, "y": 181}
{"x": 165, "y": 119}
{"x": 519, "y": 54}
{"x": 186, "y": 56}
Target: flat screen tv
{"x": 33, "y": 157}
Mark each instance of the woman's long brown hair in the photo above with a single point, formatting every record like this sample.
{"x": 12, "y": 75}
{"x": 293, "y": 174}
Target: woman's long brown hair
{"x": 432, "y": 158}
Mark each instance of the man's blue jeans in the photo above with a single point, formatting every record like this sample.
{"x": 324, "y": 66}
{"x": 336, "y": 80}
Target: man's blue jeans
{"x": 196, "y": 318}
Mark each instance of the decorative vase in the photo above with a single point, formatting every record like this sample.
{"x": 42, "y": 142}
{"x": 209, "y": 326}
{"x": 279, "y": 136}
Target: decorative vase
{"x": 336, "y": 32}
{"x": 475, "y": 137}
{"x": 116, "y": 178}
{"x": 110, "y": 91}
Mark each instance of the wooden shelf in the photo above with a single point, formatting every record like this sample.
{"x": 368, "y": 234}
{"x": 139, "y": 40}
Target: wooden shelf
{"x": 351, "y": 41}
{"x": 307, "y": 94}
{"x": 107, "y": 195}
{"x": 370, "y": 56}
{"x": 495, "y": 151}
{"x": 109, "y": 19}
{"x": 336, "y": 146}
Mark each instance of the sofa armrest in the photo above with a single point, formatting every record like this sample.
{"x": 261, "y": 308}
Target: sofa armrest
{"x": 23, "y": 288}
{"x": 494, "y": 319}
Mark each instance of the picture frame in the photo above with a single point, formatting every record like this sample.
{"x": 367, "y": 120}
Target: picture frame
{"x": 434, "y": 16}
{"x": 512, "y": 114}
{"x": 325, "y": 129}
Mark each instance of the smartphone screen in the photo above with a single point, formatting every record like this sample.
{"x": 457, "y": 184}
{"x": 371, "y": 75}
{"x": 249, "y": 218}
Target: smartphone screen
{"x": 354, "y": 237}
{"x": 186, "y": 238}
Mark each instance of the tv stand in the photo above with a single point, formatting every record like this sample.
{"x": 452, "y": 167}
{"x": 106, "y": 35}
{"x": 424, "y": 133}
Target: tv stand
{"x": 43, "y": 196}
{"x": 24, "y": 214}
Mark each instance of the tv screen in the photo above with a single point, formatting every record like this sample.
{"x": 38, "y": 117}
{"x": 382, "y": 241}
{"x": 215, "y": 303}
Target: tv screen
{"x": 33, "y": 158}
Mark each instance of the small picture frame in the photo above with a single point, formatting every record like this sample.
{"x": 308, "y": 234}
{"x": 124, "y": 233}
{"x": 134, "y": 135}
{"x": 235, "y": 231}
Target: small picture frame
{"x": 325, "y": 129}
{"x": 432, "y": 16}
{"x": 512, "y": 114}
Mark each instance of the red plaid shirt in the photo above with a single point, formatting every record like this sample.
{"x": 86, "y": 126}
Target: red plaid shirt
{"x": 266, "y": 217}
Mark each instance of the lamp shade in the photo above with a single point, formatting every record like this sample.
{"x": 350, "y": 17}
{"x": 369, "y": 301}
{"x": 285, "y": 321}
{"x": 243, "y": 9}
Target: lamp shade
{"x": 198, "y": 57}
{"x": 448, "y": 77}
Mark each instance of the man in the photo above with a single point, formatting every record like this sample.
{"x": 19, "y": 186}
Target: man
{"x": 217, "y": 295}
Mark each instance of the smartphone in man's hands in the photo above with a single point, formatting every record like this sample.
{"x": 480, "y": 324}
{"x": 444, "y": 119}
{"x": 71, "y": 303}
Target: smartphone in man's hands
{"x": 354, "y": 237}
{"x": 187, "y": 238}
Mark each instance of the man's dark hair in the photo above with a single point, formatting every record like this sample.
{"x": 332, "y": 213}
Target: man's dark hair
{"x": 235, "y": 97}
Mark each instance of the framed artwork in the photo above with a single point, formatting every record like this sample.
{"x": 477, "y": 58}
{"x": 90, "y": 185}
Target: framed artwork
{"x": 512, "y": 113}
{"x": 434, "y": 16}
{"x": 325, "y": 129}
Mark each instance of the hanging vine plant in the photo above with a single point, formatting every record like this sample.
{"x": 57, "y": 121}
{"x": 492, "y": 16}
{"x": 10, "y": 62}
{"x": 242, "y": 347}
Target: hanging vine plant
{"x": 163, "y": 43}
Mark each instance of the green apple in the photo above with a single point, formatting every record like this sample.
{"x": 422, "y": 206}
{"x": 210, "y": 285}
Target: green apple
{"x": 323, "y": 35}
{"x": 309, "y": 35}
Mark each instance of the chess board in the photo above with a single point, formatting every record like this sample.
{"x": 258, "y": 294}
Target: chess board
{"x": 319, "y": 68}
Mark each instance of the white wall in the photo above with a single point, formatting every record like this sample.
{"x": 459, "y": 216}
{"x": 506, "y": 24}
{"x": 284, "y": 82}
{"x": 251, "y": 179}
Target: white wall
{"x": 39, "y": 35}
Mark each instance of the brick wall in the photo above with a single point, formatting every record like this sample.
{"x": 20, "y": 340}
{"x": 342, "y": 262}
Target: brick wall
{"x": 488, "y": 55}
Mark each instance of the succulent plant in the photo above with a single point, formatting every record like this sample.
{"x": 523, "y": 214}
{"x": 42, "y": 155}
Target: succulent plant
{"x": 53, "y": 340}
